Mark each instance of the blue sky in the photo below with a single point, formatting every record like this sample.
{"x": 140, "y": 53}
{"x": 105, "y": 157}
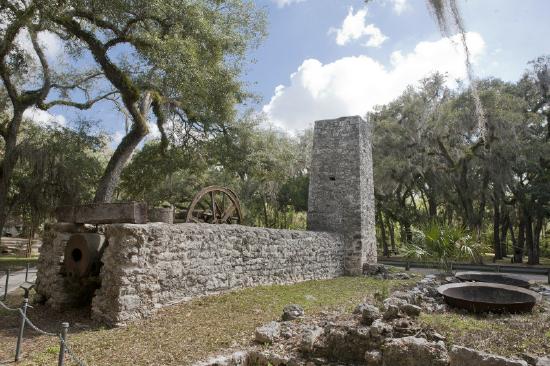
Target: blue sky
{"x": 328, "y": 58}
{"x": 512, "y": 32}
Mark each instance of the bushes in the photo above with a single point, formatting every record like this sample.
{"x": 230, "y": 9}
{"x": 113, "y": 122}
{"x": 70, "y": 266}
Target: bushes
{"x": 443, "y": 244}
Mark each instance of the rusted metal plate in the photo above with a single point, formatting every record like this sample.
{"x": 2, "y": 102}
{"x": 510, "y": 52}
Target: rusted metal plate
{"x": 481, "y": 297}
{"x": 501, "y": 278}
{"x": 104, "y": 213}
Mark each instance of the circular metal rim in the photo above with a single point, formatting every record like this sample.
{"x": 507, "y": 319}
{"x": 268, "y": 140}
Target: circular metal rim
{"x": 501, "y": 275}
{"x": 441, "y": 289}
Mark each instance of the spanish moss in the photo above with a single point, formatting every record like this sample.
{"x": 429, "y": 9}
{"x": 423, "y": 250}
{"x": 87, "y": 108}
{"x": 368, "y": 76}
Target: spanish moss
{"x": 449, "y": 19}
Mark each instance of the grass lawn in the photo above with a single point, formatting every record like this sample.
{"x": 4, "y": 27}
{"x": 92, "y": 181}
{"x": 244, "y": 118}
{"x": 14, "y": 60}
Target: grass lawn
{"x": 15, "y": 263}
{"x": 507, "y": 335}
{"x": 184, "y": 333}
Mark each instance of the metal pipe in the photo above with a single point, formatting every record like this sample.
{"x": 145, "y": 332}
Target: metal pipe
{"x": 64, "y": 331}
{"x": 27, "y": 272}
{"x": 21, "y": 329}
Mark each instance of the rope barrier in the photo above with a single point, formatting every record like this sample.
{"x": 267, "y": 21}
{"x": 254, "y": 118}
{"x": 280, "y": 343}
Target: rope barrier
{"x": 68, "y": 349}
{"x": 7, "y": 307}
{"x": 34, "y": 327}
{"x": 71, "y": 353}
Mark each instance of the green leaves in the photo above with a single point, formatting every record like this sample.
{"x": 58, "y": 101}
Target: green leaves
{"x": 444, "y": 244}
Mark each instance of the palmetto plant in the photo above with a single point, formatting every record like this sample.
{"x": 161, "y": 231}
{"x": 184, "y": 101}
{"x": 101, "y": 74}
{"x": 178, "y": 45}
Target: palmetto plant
{"x": 444, "y": 244}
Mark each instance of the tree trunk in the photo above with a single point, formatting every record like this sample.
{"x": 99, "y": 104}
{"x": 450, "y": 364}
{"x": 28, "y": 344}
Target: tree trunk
{"x": 386, "y": 252}
{"x": 518, "y": 249}
{"x": 122, "y": 154}
{"x": 266, "y": 218}
{"x": 408, "y": 232}
{"x": 392, "y": 235}
{"x": 504, "y": 236}
{"x": 449, "y": 216}
{"x": 8, "y": 165}
{"x": 432, "y": 204}
{"x": 536, "y": 239}
{"x": 514, "y": 241}
{"x": 496, "y": 230}
{"x": 529, "y": 240}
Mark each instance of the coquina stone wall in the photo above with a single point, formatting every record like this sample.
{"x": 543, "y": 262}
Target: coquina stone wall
{"x": 50, "y": 284}
{"x": 149, "y": 266}
{"x": 341, "y": 189}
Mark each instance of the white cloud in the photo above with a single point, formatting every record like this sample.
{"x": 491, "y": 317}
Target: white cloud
{"x": 354, "y": 27}
{"x": 282, "y": 3}
{"x": 354, "y": 85}
{"x": 376, "y": 37}
{"x": 399, "y": 6}
{"x": 117, "y": 137}
{"x": 51, "y": 44}
{"x": 44, "y": 118}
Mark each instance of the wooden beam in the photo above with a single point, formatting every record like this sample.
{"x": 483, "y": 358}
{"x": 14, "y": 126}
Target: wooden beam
{"x": 104, "y": 213}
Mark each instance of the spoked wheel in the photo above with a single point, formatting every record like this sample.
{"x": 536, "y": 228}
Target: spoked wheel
{"x": 215, "y": 205}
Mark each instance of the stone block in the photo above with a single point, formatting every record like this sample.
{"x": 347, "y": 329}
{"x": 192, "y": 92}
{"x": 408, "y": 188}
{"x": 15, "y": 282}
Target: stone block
{"x": 268, "y": 333}
{"x": 462, "y": 356}
{"x": 413, "y": 351}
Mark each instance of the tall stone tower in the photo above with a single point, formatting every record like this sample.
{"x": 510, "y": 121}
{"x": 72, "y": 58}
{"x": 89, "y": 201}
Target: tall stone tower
{"x": 341, "y": 190}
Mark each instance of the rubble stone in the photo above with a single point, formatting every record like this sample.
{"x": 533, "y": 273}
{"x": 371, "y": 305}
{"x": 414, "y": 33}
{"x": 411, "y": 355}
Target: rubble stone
{"x": 411, "y": 310}
{"x": 292, "y": 311}
{"x": 462, "y": 356}
{"x": 373, "y": 358}
{"x": 310, "y": 338}
{"x": 268, "y": 333}
{"x": 369, "y": 314}
{"x": 413, "y": 351}
{"x": 392, "y": 312}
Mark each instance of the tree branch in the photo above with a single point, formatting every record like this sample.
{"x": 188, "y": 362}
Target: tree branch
{"x": 161, "y": 119}
{"x": 78, "y": 83}
{"x": 68, "y": 103}
{"x": 40, "y": 94}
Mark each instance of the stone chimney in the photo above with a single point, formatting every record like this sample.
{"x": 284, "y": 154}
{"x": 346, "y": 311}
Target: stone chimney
{"x": 341, "y": 187}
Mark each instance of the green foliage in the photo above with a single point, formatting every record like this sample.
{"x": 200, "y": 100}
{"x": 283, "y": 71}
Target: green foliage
{"x": 57, "y": 166}
{"x": 430, "y": 160}
{"x": 266, "y": 168}
{"x": 443, "y": 244}
{"x": 294, "y": 192}
{"x": 172, "y": 175}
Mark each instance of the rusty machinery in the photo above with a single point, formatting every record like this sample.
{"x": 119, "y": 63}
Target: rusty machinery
{"x": 214, "y": 205}
{"x": 82, "y": 256}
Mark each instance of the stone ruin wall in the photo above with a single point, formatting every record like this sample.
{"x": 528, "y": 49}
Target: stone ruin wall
{"x": 149, "y": 266}
{"x": 341, "y": 188}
